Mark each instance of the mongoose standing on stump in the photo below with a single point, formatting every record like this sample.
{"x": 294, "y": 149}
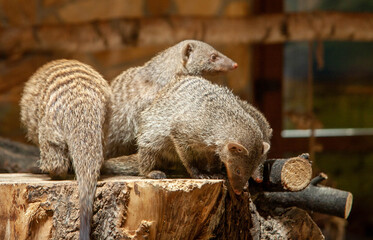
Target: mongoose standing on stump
{"x": 64, "y": 108}
{"x": 136, "y": 88}
{"x": 202, "y": 125}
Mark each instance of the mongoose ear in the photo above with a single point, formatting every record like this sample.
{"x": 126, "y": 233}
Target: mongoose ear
{"x": 269, "y": 132}
{"x": 187, "y": 50}
{"x": 266, "y": 147}
{"x": 237, "y": 148}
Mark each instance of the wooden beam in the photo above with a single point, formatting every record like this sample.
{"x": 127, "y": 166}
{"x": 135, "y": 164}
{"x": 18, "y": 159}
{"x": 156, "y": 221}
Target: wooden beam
{"x": 121, "y": 33}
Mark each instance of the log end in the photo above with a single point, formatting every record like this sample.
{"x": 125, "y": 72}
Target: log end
{"x": 296, "y": 174}
{"x": 348, "y": 206}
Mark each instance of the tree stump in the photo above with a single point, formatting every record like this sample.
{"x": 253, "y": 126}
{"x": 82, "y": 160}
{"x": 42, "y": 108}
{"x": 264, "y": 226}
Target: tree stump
{"x": 35, "y": 207}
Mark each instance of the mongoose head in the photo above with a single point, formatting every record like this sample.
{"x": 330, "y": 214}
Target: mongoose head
{"x": 199, "y": 58}
{"x": 241, "y": 163}
{"x": 258, "y": 173}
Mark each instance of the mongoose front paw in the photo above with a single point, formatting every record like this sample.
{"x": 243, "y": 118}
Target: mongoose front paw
{"x": 156, "y": 175}
{"x": 210, "y": 176}
{"x": 202, "y": 176}
{"x": 218, "y": 176}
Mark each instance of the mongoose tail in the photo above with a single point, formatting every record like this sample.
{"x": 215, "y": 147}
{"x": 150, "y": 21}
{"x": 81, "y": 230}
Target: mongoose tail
{"x": 88, "y": 158}
{"x": 65, "y": 108}
{"x": 235, "y": 158}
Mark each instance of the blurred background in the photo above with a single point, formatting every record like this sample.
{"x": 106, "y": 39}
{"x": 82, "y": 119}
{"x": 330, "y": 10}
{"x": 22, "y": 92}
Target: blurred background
{"x": 306, "y": 64}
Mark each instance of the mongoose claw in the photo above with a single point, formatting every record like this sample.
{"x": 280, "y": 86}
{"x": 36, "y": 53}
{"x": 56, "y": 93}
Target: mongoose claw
{"x": 156, "y": 174}
{"x": 218, "y": 176}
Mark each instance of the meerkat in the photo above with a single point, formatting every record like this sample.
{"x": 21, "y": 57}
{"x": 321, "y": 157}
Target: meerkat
{"x": 64, "y": 107}
{"x": 135, "y": 88}
{"x": 201, "y": 125}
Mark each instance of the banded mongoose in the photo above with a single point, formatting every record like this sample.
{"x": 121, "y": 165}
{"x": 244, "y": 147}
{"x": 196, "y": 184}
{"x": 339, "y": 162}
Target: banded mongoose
{"x": 135, "y": 88}
{"x": 266, "y": 130}
{"x": 203, "y": 125}
{"x": 64, "y": 107}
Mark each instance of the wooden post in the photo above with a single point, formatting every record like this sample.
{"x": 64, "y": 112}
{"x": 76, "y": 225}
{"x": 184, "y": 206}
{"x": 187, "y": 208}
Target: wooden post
{"x": 121, "y": 33}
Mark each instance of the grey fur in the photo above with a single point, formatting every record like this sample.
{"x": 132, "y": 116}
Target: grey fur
{"x": 266, "y": 130}
{"x": 202, "y": 125}
{"x": 64, "y": 107}
{"x": 135, "y": 88}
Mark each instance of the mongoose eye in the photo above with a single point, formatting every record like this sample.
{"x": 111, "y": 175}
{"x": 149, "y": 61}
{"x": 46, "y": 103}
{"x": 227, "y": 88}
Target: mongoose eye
{"x": 214, "y": 57}
{"x": 238, "y": 172}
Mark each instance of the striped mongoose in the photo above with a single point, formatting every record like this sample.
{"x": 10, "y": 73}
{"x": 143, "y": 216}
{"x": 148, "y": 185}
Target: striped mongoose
{"x": 65, "y": 107}
{"x": 135, "y": 88}
{"x": 202, "y": 125}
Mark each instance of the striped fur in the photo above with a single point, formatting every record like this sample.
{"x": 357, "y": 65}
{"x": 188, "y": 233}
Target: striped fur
{"x": 135, "y": 88}
{"x": 201, "y": 124}
{"x": 65, "y": 107}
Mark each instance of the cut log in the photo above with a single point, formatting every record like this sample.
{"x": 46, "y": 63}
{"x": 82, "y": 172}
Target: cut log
{"x": 34, "y": 207}
{"x": 293, "y": 174}
{"x": 121, "y": 33}
{"x": 314, "y": 198}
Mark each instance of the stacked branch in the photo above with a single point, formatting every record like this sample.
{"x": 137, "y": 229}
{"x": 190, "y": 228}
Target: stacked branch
{"x": 314, "y": 198}
{"x": 288, "y": 184}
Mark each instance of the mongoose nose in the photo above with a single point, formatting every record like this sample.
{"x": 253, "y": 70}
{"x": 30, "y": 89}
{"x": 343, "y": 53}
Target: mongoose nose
{"x": 258, "y": 180}
{"x": 235, "y": 65}
{"x": 238, "y": 192}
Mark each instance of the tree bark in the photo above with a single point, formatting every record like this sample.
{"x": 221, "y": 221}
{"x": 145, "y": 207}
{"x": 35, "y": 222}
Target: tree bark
{"x": 121, "y": 33}
{"x": 34, "y": 207}
{"x": 315, "y": 198}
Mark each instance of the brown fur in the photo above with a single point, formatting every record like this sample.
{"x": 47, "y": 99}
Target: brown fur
{"x": 64, "y": 107}
{"x": 202, "y": 125}
{"x": 136, "y": 88}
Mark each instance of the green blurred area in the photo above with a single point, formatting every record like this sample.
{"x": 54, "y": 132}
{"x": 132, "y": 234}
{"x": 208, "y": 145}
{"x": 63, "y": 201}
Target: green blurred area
{"x": 340, "y": 109}
{"x": 348, "y": 171}
{"x": 342, "y": 98}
